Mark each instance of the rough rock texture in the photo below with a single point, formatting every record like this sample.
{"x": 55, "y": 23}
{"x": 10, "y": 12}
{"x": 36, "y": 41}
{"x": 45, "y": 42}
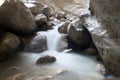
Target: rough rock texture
{"x": 108, "y": 39}
{"x": 16, "y": 17}
{"x": 9, "y": 44}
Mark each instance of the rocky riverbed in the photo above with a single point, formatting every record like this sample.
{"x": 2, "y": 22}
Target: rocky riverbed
{"x": 46, "y": 41}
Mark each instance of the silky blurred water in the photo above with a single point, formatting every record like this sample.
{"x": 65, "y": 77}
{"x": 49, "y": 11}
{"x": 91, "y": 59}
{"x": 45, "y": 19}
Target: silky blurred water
{"x": 74, "y": 66}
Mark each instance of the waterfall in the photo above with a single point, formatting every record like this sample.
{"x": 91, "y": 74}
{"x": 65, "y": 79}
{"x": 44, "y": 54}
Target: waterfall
{"x": 53, "y": 36}
{"x": 84, "y": 68}
{"x": 77, "y": 66}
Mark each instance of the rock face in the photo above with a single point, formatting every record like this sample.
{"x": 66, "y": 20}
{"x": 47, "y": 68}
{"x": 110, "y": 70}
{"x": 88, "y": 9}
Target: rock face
{"x": 108, "y": 39}
{"x": 16, "y": 17}
{"x": 9, "y": 43}
{"x": 46, "y": 59}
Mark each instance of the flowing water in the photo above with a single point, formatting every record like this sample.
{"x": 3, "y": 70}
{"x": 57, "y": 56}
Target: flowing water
{"x": 69, "y": 66}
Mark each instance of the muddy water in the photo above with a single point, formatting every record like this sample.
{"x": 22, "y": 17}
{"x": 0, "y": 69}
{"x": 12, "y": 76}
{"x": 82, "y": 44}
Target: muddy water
{"x": 69, "y": 66}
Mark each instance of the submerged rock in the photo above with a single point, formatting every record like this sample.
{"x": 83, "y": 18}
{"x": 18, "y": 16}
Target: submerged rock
{"x": 9, "y": 44}
{"x": 46, "y": 59}
{"x": 62, "y": 43}
{"x": 16, "y": 17}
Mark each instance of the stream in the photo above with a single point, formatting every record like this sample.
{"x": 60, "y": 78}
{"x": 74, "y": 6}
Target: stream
{"x": 68, "y": 66}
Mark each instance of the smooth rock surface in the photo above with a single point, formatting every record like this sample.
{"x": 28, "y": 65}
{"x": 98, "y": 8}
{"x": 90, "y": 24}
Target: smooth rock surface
{"x": 16, "y": 17}
{"x": 9, "y": 44}
{"x": 46, "y": 59}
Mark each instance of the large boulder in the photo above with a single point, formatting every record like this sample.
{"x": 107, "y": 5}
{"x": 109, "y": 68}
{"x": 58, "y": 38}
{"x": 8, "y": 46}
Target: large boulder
{"x": 78, "y": 36}
{"x": 9, "y": 44}
{"x": 107, "y": 35}
{"x": 16, "y": 17}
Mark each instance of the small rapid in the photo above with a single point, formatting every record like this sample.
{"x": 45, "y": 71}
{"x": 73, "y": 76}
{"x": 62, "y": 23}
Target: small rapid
{"x": 68, "y": 66}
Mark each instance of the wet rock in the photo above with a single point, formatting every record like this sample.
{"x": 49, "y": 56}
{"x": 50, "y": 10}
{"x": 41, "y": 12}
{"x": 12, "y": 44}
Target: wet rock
{"x": 9, "y": 44}
{"x": 16, "y": 17}
{"x": 37, "y": 44}
{"x": 46, "y": 59}
{"x": 62, "y": 43}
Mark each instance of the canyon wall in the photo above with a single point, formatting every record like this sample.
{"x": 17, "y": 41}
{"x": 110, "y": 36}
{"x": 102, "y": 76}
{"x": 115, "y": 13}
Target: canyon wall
{"x": 108, "y": 40}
